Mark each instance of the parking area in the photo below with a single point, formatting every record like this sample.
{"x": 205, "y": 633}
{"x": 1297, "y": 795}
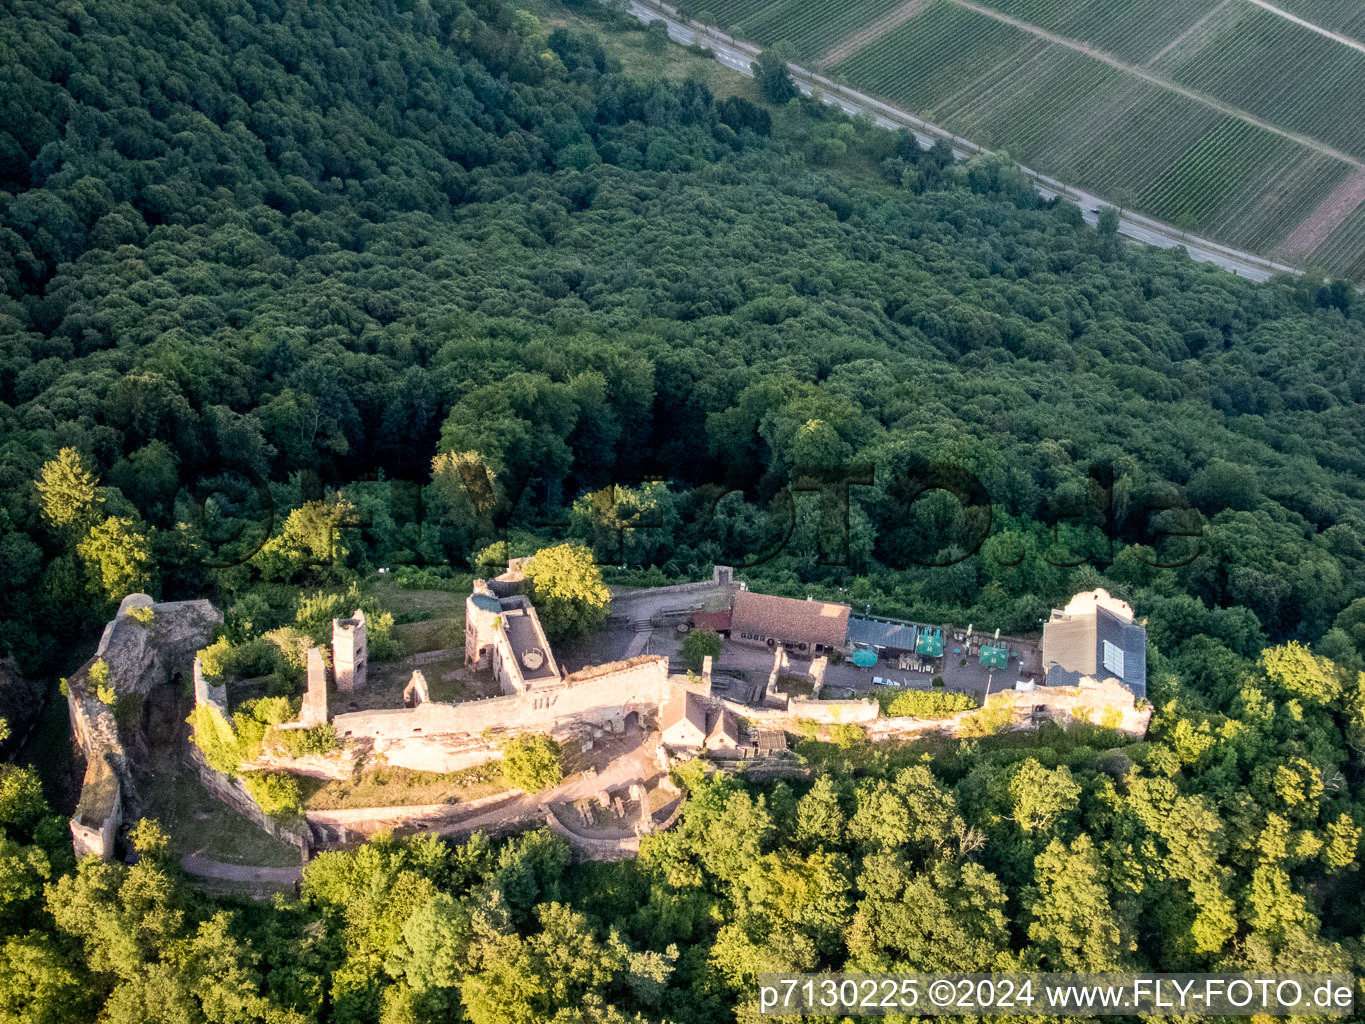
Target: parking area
{"x": 741, "y": 670}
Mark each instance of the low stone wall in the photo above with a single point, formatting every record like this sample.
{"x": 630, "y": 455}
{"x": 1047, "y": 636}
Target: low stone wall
{"x": 678, "y": 597}
{"x": 413, "y": 812}
{"x": 830, "y": 711}
{"x": 797, "y": 707}
{"x": 593, "y": 848}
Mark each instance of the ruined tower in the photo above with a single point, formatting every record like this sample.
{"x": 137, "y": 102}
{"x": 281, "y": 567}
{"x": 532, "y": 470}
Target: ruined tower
{"x": 348, "y": 651}
{"x": 314, "y": 710}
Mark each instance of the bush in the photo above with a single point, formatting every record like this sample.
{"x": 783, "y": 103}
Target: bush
{"x": 924, "y": 703}
{"x": 277, "y": 793}
{"x": 99, "y": 672}
{"x": 223, "y": 661}
{"x": 214, "y": 736}
{"x": 698, "y": 645}
{"x": 656, "y": 36}
{"x": 846, "y": 734}
{"x": 316, "y": 612}
{"x": 144, "y": 615}
{"x": 301, "y": 742}
{"x": 532, "y": 763}
{"x": 101, "y": 682}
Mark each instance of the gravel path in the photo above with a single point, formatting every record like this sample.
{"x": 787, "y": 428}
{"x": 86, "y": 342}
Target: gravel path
{"x": 205, "y": 867}
{"x": 1328, "y": 216}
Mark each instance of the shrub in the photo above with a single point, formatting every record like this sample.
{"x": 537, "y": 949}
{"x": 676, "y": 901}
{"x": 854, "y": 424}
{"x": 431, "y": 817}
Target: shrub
{"x": 845, "y": 734}
{"x": 531, "y": 763}
{"x": 144, "y": 615}
{"x": 698, "y": 645}
{"x": 271, "y": 710}
{"x": 215, "y": 738}
{"x": 277, "y": 793}
{"x": 151, "y": 842}
{"x": 315, "y": 614}
{"x": 223, "y": 661}
{"x": 924, "y": 703}
{"x": 301, "y": 742}
{"x": 101, "y": 682}
{"x": 99, "y": 672}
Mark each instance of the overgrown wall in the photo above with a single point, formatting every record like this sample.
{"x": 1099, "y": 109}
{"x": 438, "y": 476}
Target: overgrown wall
{"x": 1108, "y": 704}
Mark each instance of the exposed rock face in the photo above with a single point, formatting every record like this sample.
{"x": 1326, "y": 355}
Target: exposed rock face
{"x": 144, "y": 655}
{"x": 145, "y": 645}
{"x": 20, "y": 699}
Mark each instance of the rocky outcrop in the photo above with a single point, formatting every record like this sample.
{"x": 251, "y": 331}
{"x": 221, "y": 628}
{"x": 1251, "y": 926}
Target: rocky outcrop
{"x": 144, "y": 646}
{"x": 20, "y": 699}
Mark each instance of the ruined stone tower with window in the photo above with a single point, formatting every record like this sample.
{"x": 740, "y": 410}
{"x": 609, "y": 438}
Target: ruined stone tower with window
{"x": 349, "y": 652}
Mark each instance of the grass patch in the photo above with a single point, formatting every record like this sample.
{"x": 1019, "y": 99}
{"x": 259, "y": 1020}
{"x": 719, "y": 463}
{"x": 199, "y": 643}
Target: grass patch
{"x": 198, "y": 823}
{"x": 628, "y": 46}
{"x": 403, "y": 787}
{"x": 431, "y": 635}
{"x": 795, "y": 685}
{"x": 418, "y": 605}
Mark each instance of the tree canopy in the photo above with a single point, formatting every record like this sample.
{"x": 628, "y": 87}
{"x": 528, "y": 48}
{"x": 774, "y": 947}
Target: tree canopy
{"x": 293, "y": 291}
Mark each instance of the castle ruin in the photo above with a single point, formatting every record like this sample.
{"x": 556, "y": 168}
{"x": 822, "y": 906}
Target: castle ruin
{"x": 349, "y": 652}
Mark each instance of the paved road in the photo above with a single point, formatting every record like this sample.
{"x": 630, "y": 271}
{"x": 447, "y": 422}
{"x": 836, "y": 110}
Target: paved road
{"x": 740, "y": 55}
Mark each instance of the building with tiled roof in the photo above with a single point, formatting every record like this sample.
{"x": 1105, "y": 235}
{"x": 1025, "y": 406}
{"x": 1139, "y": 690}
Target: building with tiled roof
{"x": 807, "y": 626}
{"x": 682, "y": 720}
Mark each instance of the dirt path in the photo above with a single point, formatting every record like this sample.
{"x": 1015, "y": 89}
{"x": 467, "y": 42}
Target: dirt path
{"x": 864, "y": 36}
{"x": 1315, "y": 228}
{"x": 1335, "y": 37}
{"x": 205, "y": 867}
{"x": 1187, "y": 35}
{"x": 1165, "y": 83}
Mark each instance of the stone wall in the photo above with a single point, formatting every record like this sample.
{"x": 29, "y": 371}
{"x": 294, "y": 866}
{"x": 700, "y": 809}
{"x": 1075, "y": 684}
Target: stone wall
{"x": 833, "y": 710}
{"x": 94, "y": 825}
{"x": 1107, "y": 703}
{"x": 679, "y": 597}
{"x": 231, "y": 792}
{"x": 436, "y": 736}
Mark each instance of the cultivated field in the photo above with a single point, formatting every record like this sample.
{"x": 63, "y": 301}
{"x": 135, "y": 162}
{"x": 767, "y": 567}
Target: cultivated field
{"x": 1228, "y": 118}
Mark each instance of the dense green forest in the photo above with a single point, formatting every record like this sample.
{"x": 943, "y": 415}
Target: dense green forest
{"x": 431, "y": 275}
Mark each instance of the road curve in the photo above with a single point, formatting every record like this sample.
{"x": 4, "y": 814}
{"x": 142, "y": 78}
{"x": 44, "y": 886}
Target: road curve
{"x": 739, "y": 56}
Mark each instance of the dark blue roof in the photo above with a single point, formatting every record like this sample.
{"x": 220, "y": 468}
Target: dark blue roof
{"x": 897, "y": 635}
{"x": 487, "y": 602}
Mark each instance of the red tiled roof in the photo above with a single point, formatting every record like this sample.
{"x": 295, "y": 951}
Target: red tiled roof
{"x": 719, "y": 621}
{"x": 786, "y": 618}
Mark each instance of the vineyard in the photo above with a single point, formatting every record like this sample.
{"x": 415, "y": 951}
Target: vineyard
{"x": 811, "y": 28}
{"x": 1344, "y": 250}
{"x": 1317, "y": 88}
{"x": 1344, "y": 16}
{"x": 1218, "y": 116}
{"x": 1134, "y": 31}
